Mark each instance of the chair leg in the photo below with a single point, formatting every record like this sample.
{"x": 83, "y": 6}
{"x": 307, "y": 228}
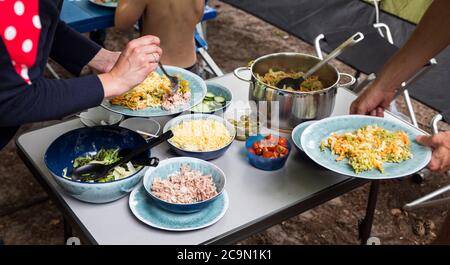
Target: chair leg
{"x": 410, "y": 108}
{"x": 210, "y": 62}
{"x": 427, "y": 201}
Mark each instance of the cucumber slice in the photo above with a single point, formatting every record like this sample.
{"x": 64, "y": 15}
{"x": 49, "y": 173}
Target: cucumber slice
{"x": 208, "y": 99}
{"x": 205, "y": 108}
{"x": 217, "y": 104}
{"x": 210, "y": 95}
{"x": 202, "y": 107}
{"x": 219, "y": 99}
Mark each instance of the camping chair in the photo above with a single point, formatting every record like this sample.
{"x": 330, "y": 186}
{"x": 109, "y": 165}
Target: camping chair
{"x": 369, "y": 58}
{"x": 202, "y": 48}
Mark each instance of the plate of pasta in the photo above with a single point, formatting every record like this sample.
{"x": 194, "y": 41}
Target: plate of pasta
{"x": 106, "y": 3}
{"x": 154, "y": 97}
{"x": 365, "y": 147}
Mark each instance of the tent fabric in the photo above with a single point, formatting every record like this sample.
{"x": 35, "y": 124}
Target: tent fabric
{"x": 408, "y": 10}
{"x": 306, "y": 19}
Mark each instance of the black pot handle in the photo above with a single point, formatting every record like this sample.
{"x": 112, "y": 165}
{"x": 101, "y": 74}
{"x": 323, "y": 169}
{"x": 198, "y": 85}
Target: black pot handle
{"x": 154, "y": 161}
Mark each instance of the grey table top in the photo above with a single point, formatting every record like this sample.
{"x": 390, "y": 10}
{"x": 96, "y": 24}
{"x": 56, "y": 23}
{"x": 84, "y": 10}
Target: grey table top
{"x": 255, "y": 195}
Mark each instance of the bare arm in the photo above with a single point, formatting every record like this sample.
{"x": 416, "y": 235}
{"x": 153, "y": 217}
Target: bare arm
{"x": 128, "y": 13}
{"x": 431, "y": 36}
{"x": 104, "y": 60}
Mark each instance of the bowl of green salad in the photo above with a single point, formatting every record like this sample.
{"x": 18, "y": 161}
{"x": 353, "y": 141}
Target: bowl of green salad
{"x": 101, "y": 144}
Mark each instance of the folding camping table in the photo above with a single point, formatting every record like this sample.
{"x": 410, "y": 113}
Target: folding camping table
{"x": 86, "y": 17}
{"x": 258, "y": 199}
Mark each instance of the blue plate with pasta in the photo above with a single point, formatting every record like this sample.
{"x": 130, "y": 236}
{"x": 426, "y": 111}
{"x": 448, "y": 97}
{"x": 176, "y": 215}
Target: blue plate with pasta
{"x": 365, "y": 147}
{"x": 152, "y": 98}
{"x": 105, "y": 3}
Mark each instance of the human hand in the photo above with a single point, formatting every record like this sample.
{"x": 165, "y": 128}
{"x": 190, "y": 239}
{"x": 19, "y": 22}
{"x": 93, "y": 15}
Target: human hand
{"x": 372, "y": 101}
{"x": 440, "y": 143}
{"x": 140, "y": 57}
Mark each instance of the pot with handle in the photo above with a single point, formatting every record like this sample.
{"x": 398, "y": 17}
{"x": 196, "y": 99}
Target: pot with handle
{"x": 285, "y": 109}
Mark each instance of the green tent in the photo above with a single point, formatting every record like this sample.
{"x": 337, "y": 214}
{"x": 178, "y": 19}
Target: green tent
{"x": 410, "y": 10}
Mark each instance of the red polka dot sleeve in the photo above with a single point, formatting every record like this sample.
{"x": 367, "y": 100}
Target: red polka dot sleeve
{"x": 20, "y": 28}
{"x": 30, "y": 32}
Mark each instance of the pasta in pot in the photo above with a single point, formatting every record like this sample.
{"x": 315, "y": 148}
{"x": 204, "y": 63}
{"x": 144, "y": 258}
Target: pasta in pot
{"x": 272, "y": 77}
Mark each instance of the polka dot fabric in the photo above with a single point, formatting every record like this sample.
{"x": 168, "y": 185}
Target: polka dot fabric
{"x": 20, "y": 28}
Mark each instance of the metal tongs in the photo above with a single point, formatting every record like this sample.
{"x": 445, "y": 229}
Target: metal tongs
{"x": 95, "y": 171}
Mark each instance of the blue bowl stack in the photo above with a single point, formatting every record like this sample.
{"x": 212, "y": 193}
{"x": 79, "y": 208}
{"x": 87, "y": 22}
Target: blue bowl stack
{"x": 169, "y": 167}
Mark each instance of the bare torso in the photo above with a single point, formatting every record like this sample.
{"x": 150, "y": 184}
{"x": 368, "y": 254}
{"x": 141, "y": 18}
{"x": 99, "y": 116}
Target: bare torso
{"x": 173, "y": 21}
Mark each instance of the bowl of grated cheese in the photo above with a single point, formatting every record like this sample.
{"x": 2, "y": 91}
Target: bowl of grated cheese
{"x": 202, "y": 136}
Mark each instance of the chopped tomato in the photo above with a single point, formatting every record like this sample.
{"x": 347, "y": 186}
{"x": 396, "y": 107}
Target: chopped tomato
{"x": 268, "y": 154}
{"x": 270, "y": 147}
{"x": 282, "y": 141}
{"x": 270, "y": 137}
{"x": 258, "y": 151}
{"x": 256, "y": 145}
{"x": 282, "y": 150}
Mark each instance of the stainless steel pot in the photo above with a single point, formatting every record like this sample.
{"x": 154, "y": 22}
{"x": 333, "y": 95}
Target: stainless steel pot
{"x": 293, "y": 107}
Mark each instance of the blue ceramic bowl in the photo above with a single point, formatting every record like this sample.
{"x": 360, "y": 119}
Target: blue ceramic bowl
{"x": 73, "y": 144}
{"x": 262, "y": 162}
{"x": 221, "y": 91}
{"x": 169, "y": 167}
{"x": 207, "y": 155}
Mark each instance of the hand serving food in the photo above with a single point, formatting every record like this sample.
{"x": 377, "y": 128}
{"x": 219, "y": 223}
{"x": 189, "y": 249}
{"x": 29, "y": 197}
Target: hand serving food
{"x": 440, "y": 143}
{"x": 140, "y": 57}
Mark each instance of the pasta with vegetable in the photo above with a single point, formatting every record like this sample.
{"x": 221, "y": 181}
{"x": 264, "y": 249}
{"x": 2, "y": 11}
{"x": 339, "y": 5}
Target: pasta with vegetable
{"x": 369, "y": 147}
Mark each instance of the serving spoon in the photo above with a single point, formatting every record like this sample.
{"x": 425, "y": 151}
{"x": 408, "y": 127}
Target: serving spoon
{"x": 174, "y": 82}
{"x": 95, "y": 171}
{"x": 296, "y": 83}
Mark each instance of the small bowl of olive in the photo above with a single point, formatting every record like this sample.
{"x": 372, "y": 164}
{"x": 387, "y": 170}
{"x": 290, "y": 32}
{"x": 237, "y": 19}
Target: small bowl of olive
{"x": 246, "y": 124}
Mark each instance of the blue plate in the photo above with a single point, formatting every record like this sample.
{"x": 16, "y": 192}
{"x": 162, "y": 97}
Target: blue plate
{"x": 108, "y": 4}
{"x": 198, "y": 92}
{"x": 297, "y": 133}
{"x": 146, "y": 210}
{"x": 317, "y": 132}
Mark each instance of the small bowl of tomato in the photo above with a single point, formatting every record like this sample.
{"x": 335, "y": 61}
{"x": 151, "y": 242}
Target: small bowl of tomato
{"x": 267, "y": 152}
